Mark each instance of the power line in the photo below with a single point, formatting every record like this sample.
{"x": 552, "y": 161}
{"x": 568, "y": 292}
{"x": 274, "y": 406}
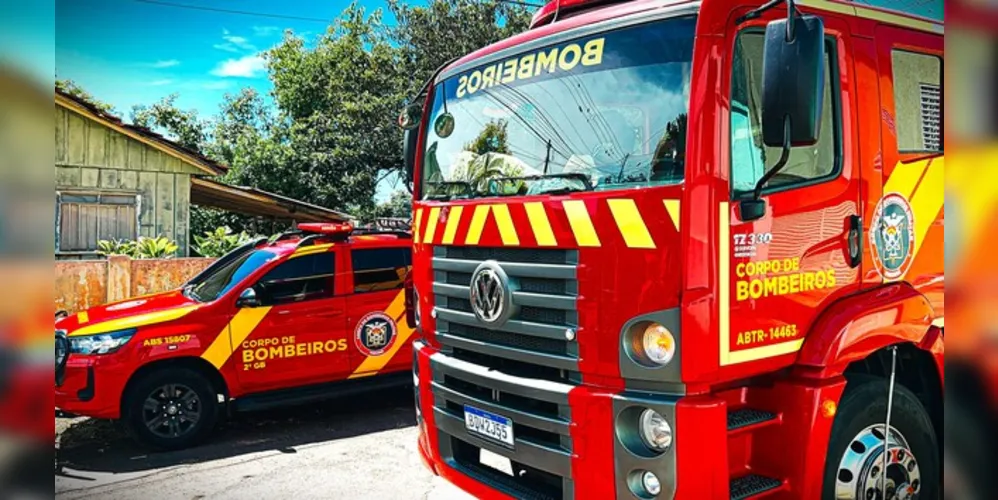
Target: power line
{"x": 521, "y": 4}
{"x": 239, "y": 12}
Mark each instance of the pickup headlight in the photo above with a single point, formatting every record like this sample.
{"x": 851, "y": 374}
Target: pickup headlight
{"x": 101, "y": 343}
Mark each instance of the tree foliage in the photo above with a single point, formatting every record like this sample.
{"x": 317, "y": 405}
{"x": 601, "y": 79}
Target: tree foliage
{"x": 70, "y": 87}
{"x": 185, "y": 127}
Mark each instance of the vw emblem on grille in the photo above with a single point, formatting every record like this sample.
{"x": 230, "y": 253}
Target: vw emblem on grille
{"x": 491, "y": 298}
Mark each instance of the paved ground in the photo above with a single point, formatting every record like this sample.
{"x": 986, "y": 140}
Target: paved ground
{"x": 339, "y": 449}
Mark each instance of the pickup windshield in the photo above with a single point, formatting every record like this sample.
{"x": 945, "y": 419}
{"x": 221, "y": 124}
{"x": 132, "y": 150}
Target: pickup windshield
{"x": 216, "y": 284}
{"x": 603, "y": 111}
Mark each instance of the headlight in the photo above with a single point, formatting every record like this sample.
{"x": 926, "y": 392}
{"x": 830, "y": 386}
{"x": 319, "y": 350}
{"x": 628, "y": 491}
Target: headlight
{"x": 655, "y": 430}
{"x": 651, "y": 345}
{"x": 651, "y": 483}
{"x": 102, "y": 343}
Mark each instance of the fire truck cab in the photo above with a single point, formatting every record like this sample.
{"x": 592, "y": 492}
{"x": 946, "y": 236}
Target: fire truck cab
{"x": 314, "y": 313}
{"x": 684, "y": 249}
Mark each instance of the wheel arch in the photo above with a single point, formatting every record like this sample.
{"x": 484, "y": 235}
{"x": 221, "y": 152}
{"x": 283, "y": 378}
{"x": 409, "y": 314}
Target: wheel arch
{"x": 192, "y": 363}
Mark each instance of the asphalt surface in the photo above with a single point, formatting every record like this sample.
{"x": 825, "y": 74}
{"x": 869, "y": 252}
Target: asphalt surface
{"x": 338, "y": 449}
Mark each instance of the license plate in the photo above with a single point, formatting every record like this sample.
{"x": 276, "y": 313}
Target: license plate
{"x": 489, "y": 425}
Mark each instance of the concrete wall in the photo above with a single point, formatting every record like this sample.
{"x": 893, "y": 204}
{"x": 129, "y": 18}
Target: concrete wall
{"x": 80, "y": 284}
{"x": 91, "y": 157}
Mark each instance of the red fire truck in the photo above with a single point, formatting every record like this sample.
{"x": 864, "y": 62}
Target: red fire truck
{"x": 678, "y": 249}
{"x": 315, "y": 313}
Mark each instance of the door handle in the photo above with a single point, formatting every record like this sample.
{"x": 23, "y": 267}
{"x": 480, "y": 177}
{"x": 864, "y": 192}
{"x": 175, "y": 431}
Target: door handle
{"x": 855, "y": 241}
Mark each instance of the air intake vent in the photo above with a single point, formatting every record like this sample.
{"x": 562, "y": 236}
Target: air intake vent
{"x": 931, "y": 137}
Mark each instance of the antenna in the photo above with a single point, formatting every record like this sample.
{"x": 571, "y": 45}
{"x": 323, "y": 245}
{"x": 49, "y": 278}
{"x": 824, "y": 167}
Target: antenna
{"x": 557, "y": 8}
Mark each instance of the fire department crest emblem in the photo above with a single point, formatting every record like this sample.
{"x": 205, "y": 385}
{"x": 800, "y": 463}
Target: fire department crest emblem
{"x": 375, "y": 333}
{"x": 892, "y": 236}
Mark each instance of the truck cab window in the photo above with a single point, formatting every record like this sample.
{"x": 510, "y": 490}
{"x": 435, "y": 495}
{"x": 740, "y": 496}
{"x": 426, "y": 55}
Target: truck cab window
{"x": 917, "y": 101}
{"x": 749, "y": 158}
{"x": 380, "y": 269}
{"x": 309, "y": 277}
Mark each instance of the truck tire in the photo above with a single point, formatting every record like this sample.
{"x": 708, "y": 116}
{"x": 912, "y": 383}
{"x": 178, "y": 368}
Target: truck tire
{"x": 171, "y": 409}
{"x": 854, "y": 461}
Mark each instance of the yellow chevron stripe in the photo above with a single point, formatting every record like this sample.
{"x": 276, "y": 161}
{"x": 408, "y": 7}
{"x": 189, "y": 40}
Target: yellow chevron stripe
{"x": 582, "y": 225}
{"x": 453, "y": 220}
{"x": 309, "y": 250}
{"x": 672, "y": 207}
{"x": 904, "y": 178}
{"x": 632, "y": 226}
{"x": 927, "y": 201}
{"x": 373, "y": 364}
{"x": 507, "y": 231}
{"x": 134, "y": 321}
{"x": 416, "y": 224}
{"x": 397, "y": 306}
{"x": 431, "y": 225}
{"x": 540, "y": 224}
{"x": 477, "y": 225}
{"x": 240, "y": 326}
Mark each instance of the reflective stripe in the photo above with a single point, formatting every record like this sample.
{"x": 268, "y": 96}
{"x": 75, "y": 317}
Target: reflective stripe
{"x": 582, "y": 225}
{"x": 453, "y": 220}
{"x": 477, "y": 225}
{"x": 632, "y": 227}
{"x": 507, "y": 231}
{"x": 239, "y": 328}
{"x": 540, "y": 224}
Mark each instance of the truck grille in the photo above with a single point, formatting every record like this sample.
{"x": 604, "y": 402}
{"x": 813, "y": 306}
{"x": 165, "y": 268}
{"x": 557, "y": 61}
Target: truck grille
{"x": 544, "y": 288}
{"x": 522, "y": 370}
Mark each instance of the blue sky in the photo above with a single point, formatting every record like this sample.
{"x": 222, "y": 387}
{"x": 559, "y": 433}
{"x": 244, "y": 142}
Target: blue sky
{"x": 128, "y": 52}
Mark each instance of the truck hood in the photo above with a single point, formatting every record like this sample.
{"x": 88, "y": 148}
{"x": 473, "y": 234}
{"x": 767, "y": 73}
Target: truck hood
{"x": 131, "y": 313}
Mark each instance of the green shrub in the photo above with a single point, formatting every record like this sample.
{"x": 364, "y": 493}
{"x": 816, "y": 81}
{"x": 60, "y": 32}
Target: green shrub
{"x": 219, "y": 242}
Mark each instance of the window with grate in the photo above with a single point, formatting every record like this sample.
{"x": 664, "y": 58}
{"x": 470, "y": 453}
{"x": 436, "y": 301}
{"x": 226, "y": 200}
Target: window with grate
{"x": 917, "y": 101}
{"x": 85, "y": 219}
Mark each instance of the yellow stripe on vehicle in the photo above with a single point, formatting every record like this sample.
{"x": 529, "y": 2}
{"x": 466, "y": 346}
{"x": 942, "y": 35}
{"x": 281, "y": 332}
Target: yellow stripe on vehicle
{"x": 235, "y": 332}
{"x": 507, "y": 231}
{"x": 415, "y": 224}
{"x": 83, "y": 318}
{"x": 311, "y": 249}
{"x": 134, "y": 321}
{"x": 724, "y": 281}
{"x": 904, "y": 178}
{"x": 477, "y": 225}
{"x": 582, "y": 225}
{"x": 453, "y": 220}
{"x": 540, "y": 224}
{"x": 672, "y": 207}
{"x": 373, "y": 364}
{"x": 927, "y": 201}
{"x": 397, "y": 306}
{"x": 632, "y": 227}
{"x": 431, "y": 225}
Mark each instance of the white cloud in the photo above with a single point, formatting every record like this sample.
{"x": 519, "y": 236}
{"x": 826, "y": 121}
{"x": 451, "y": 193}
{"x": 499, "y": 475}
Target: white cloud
{"x": 234, "y": 43}
{"x": 265, "y": 30}
{"x": 244, "y": 67}
{"x": 168, "y": 63}
{"x": 160, "y": 83}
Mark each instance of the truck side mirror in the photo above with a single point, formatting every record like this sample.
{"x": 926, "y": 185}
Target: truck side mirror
{"x": 793, "y": 91}
{"x": 248, "y": 298}
{"x": 409, "y": 153}
{"x": 793, "y": 81}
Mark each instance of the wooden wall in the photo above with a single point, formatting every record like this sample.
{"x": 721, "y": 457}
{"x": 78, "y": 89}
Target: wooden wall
{"x": 94, "y": 158}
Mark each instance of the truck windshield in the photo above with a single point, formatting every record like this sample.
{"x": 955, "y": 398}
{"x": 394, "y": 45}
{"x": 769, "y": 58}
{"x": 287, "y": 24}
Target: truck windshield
{"x": 215, "y": 285}
{"x": 610, "y": 108}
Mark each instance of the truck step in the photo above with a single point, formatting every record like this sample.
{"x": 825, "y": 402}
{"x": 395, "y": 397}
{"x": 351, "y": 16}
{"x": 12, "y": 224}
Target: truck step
{"x": 745, "y": 417}
{"x": 751, "y": 485}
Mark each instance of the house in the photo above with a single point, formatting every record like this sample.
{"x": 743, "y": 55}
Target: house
{"x": 118, "y": 181}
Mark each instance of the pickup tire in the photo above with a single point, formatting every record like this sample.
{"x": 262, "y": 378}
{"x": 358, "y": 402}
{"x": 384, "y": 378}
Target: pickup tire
{"x": 171, "y": 409}
{"x": 853, "y": 464}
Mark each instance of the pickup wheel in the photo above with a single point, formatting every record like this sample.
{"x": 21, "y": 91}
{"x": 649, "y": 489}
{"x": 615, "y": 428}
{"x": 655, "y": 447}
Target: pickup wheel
{"x": 171, "y": 409}
{"x": 854, "y": 465}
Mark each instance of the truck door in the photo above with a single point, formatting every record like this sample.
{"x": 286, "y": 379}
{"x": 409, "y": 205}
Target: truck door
{"x": 783, "y": 268}
{"x": 303, "y": 338}
{"x": 379, "y": 331}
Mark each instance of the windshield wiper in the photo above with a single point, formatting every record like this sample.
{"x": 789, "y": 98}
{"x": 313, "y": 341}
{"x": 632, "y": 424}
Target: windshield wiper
{"x": 188, "y": 291}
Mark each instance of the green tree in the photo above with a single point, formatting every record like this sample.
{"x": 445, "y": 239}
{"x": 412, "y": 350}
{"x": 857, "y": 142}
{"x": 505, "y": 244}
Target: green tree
{"x": 185, "y": 127}
{"x": 492, "y": 139}
{"x": 70, "y": 87}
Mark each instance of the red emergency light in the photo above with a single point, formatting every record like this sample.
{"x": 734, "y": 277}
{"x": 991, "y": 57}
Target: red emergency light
{"x": 330, "y": 228}
{"x": 546, "y": 14}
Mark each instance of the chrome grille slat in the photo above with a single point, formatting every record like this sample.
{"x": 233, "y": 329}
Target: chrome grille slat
{"x": 514, "y": 326}
{"x": 552, "y": 360}
{"x": 559, "y": 426}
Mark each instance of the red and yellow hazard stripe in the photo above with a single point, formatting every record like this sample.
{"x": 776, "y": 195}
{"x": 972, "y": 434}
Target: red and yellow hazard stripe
{"x": 374, "y": 364}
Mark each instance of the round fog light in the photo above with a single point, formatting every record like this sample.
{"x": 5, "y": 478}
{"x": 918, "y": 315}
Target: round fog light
{"x": 655, "y": 430}
{"x": 651, "y": 484}
{"x": 658, "y": 344}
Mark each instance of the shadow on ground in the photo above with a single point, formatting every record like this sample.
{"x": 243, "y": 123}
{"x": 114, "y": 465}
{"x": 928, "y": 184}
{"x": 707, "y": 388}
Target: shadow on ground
{"x": 103, "y": 446}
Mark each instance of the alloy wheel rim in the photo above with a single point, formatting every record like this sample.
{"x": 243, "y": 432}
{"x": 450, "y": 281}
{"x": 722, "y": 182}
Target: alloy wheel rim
{"x": 860, "y": 475}
{"x": 171, "y": 410}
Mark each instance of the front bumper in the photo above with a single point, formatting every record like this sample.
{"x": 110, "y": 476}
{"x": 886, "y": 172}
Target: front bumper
{"x": 91, "y": 386}
{"x": 566, "y": 442}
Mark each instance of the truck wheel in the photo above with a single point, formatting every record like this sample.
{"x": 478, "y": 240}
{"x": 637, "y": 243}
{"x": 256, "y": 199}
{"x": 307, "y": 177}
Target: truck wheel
{"x": 171, "y": 409}
{"x": 854, "y": 465}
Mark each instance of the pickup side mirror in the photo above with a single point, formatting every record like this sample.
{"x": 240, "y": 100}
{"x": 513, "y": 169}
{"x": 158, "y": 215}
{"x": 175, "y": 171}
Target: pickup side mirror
{"x": 248, "y": 298}
{"x": 793, "y": 91}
